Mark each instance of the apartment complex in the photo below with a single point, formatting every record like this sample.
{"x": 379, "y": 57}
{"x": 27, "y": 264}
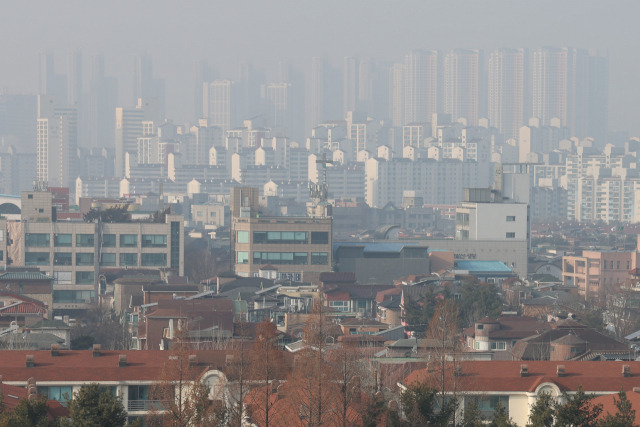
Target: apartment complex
{"x": 74, "y": 253}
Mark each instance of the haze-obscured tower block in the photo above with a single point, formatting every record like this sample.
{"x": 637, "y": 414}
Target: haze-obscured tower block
{"x": 145, "y": 86}
{"x": 507, "y": 90}
{"x": 462, "y": 84}
{"x": 57, "y": 143}
{"x": 220, "y": 104}
{"x": 420, "y": 85}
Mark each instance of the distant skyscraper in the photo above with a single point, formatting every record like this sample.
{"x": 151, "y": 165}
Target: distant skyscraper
{"x": 249, "y": 81}
{"x": 145, "y": 86}
{"x": 420, "y": 86}
{"x": 462, "y": 84}
{"x": 507, "y": 90}
{"x": 17, "y": 115}
{"x": 350, "y": 84}
{"x": 366, "y": 78}
{"x": 397, "y": 90}
{"x": 129, "y": 127}
{"x": 316, "y": 110}
{"x": 278, "y": 97}
{"x": 220, "y": 103}
{"x": 50, "y": 83}
{"x": 101, "y": 105}
{"x": 74, "y": 78}
{"x": 202, "y": 73}
{"x": 552, "y": 84}
{"x": 325, "y": 96}
{"x": 57, "y": 143}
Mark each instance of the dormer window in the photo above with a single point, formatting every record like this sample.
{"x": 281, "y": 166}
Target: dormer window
{"x": 480, "y": 326}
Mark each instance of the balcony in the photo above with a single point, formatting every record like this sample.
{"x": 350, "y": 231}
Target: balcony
{"x": 144, "y": 405}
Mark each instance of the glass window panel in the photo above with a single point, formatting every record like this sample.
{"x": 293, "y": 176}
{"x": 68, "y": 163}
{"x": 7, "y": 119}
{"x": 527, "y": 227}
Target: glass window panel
{"x": 62, "y": 258}
{"x": 108, "y": 260}
{"x": 108, "y": 240}
{"x": 62, "y": 240}
{"x": 85, "y": 240}
{"x": 84, "y": 259}
{"x": 128, "y": 240}
{"x": 242, "y": 237}
{"x": 128, "y": 260}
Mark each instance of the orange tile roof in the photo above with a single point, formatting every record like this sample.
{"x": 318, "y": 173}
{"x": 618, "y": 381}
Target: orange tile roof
{"x": 504, "y": 376}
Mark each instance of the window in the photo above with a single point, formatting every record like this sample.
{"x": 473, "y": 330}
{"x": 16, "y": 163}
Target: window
{"x": 511, "y": 218}
{"x": 319, "y": 258}
{"x": 128, "y": 260}
{"x": 242, "y": 257}
{"x": 477, "y": 345}
{"x": 154, "y": 240}
{"x": 242, "y": 237}
{"x": 85, "y": 240}
{"x": 319, "y": 238}
{"x": 212, "y": 214}
{"x": 138, "y": 392}
{"x": 36, "y": 258}
{"x": 199, "y": 213}
{"x": 617, "y": 265}
{"x": 61, "y": 394}
{"x": 128, "y": 240}
{"x": 610, "y": 265}
{"x": 73, "y": 296}
{"x": 480, "y": 326}
{"x": 339, "y": 305}
{"x": 297, "y": 258}
{"x": 36, "y": 240}
{"x": 511, "y": 235}
{"x": 154, "y": 260}
{"x": 62, "y": 240}
{"x": 498, "y": 346}
{"x": 84, "y": 259}
{"x": 108, "y": 260}
{"x": 281, "y": 237}
{"x": 108, "y": 240}
{"x": 62, "y": 258}
{"x": 85, "y": 277}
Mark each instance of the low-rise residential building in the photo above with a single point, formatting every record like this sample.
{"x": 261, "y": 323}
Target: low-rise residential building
{"x": 517, "y": 386}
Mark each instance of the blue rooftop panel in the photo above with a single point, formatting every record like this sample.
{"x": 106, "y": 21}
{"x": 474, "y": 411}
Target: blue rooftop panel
{"x": 483, "y": 266}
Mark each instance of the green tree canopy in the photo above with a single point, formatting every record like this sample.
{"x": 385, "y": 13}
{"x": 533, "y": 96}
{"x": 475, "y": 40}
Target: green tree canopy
{"x": 94, "y": 406}
{"x": 31, "y": 413}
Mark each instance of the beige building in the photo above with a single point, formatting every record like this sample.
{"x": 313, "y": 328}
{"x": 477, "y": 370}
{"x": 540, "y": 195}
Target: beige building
{"x": 293, "y": 245}
{"x": 73, "y": 253}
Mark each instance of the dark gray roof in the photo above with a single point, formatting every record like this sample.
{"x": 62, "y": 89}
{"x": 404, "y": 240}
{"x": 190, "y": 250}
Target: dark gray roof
{"x": 24, "y": 275}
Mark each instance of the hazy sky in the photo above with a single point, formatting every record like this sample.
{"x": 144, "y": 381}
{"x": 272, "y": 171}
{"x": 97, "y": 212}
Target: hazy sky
{"x": 176, "y": 33}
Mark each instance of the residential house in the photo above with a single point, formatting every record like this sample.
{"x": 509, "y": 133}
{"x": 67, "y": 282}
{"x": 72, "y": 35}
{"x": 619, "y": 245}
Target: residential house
{"x": 517, "y": 386}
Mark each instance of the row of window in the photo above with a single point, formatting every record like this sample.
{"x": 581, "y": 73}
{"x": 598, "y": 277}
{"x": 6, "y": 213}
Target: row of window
{"x": 284, "y": 237}
{"x": 87, "y": 259}
{"x": 88, "y": 240}
{"x": 295, "y": 258}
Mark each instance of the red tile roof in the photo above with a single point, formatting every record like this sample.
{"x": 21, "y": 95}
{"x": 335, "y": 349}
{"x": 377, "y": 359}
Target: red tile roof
{"x": 504, "y": 376}
{"x": 80, "y": 365}
{"x": 609, "y": 407}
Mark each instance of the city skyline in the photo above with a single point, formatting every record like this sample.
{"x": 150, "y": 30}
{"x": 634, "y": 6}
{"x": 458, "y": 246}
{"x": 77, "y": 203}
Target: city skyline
{"x": 175, "y": 46}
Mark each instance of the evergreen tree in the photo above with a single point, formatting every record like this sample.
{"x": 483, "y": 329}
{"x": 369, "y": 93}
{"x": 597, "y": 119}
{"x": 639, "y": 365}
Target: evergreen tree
{"x": 625, "y": 417}
{"x": 29, "y": 413}
{"x": 94, "y": 406}
{"x": 542, "y": 412}
{"x": 421, "y": 406}
{"x": 471, "y": 416}
{"x": 501, "y": 418}
{"x": 577, "y": 411}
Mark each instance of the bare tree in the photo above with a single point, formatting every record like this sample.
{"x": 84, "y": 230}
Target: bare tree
{"x": 180, "y": 399}
{"x": 238, "y": 373}
{"x": 266, "y": 367}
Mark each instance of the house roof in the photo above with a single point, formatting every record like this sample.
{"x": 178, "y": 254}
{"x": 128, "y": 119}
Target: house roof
{"x": 355, "y": 291}
{"x": 24, "y": 275}
{"x": 512, "y": 327}
{"x": 378, "y": 247}
{"x": 504, "y": 376}
{"x": 79, "y": 366}
{"x": 609, "y": 406}
{"x": 12, "y": 395}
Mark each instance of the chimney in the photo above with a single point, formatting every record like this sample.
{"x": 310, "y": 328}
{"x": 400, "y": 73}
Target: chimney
{"x": 97, "y": 350}
{"x": 561, "y": 371}
{"x": 626, "y": 370}
{"x": 524, "y": 370}
{"x": 32, "y": 391}
{"x": 193, "y": 361}
{"x": 122, "y": 360}
{"x": 30, "y": 361}
{"x": 274, "y": 386}
{"x": 55, "y": 350}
